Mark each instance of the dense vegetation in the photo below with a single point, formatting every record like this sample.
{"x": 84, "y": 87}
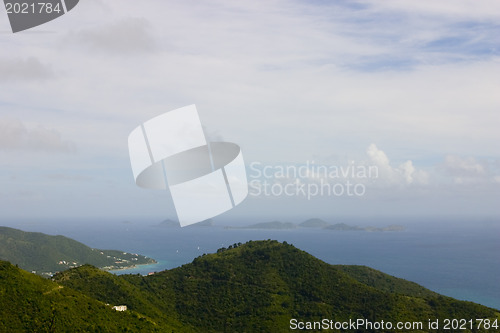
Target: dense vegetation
{"x": 260, "y": 286}
{"x": 30, "y": 303}
{"x": 45, "y": 254}
{"x": 254, "y": 287}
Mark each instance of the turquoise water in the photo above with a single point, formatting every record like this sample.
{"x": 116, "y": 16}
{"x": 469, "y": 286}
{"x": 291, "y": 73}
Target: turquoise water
{"x": 461, "y": 262}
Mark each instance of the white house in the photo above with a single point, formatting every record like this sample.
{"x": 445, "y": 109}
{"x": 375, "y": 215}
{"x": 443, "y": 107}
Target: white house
{"x": 120, "y": 307}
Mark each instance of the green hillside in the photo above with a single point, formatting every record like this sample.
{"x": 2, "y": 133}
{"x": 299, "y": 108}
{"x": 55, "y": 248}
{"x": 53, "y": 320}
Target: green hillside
{"x": 30, "y": 303}
{"x": 259, "y": 286}
{"x": 385, "y": 282}
{"x": 45, "y": 254}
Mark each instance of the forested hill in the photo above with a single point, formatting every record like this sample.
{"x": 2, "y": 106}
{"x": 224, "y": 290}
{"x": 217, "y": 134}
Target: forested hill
{"x": 259, "y": 286}
{"x": 31, "y": 303}
{"x": 254, "y": 287}
{"x": 46, "y": 254}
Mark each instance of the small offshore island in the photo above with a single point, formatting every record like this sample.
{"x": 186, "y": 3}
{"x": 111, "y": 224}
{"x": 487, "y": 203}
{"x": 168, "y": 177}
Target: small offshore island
{"x": 278, "y": 225}
{"x": 318, "y": 224}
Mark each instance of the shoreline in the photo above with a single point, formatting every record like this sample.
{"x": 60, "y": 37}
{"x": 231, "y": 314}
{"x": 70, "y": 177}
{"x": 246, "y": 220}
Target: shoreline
{"x": 136, "y": 266}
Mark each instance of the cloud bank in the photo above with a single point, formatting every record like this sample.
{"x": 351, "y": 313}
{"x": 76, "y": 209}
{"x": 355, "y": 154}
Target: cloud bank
{"x": 23, "y": 69}
{"x": 14, "y": 135}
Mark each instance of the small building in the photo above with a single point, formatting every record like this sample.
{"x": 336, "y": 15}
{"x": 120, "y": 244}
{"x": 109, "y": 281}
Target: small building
{"x": 120, "y": 307}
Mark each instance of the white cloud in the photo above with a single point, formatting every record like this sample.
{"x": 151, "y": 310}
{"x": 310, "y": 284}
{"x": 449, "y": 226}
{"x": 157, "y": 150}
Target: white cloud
{"x": 378, "y": 157}
{"x": 407, "y": 170}
{"x": 461, "y": 9}
{"x": 15, "y": 136}
{"x": 468, "y": 170}
{"x": 21, "y": 69}
{"x": 463, "y": 166}
{"x": 130, "y": 35}
{"x": 404, "y": 174}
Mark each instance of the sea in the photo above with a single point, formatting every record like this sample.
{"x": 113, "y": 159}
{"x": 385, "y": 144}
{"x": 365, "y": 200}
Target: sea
{"x": 461, "y": 260}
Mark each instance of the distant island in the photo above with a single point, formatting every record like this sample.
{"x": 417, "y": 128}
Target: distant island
{"x": 318, "y": 224}
{"x": 268, "y": 225}
{"x": 314, "y": 223}
{"x": 45, "y": 254}
{"x": 175, "y": 224}
{"x": 345, "y": 227}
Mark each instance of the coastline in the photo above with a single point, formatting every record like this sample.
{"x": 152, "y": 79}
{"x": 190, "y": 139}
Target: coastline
{"x": 134, "y": 269}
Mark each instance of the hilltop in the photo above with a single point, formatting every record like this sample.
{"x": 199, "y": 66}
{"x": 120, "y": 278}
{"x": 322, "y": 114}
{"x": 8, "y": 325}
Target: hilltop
{"x": 254, "y": 287}
{"x": 260, "y": 286}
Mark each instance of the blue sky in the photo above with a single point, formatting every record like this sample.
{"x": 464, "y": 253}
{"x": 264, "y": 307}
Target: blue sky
{"x": 409, "y": 87}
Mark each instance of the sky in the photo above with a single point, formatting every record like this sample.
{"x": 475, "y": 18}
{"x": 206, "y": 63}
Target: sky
{"x": 410, "y": 88}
